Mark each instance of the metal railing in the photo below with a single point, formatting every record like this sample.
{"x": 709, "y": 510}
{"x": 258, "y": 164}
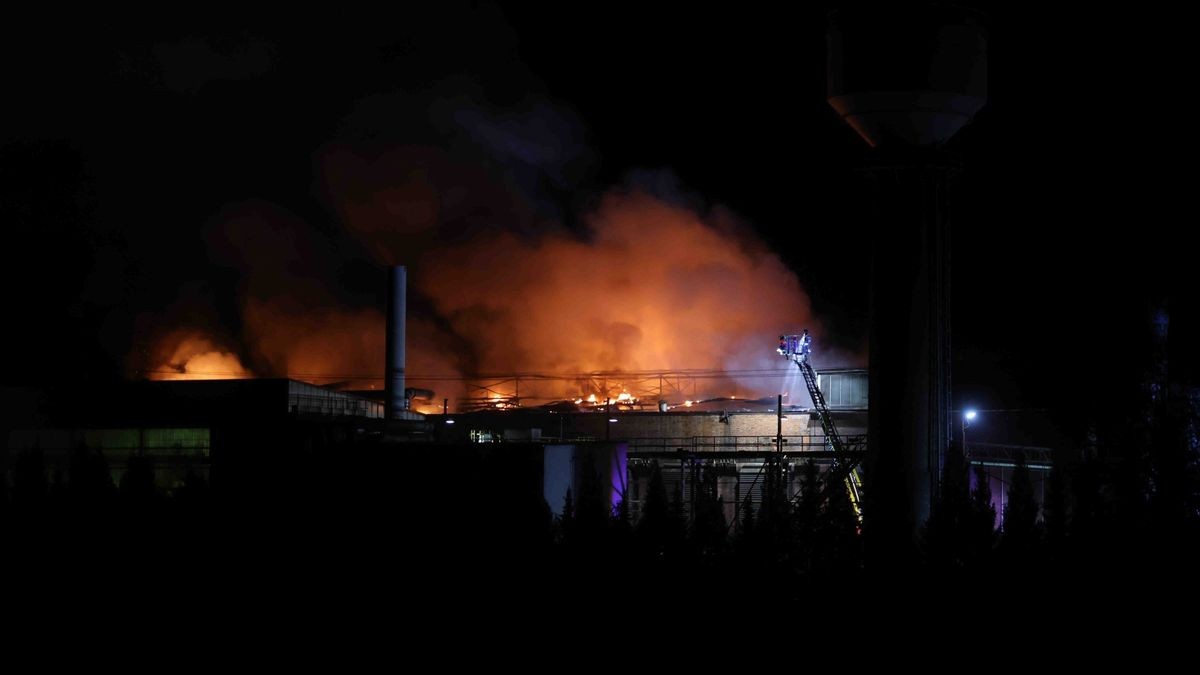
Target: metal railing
{"x": 999, "y": 454}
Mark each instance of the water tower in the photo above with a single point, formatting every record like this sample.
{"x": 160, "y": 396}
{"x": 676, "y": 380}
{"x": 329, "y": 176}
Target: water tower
{"x": 907, "y": 80}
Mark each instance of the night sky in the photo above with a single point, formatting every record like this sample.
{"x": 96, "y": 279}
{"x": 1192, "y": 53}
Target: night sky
{"x": 125, "y": 137}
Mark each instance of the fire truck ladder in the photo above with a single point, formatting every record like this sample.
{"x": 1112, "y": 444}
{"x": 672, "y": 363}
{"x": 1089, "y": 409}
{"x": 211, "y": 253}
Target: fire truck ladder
{"x": 845, "y": 459}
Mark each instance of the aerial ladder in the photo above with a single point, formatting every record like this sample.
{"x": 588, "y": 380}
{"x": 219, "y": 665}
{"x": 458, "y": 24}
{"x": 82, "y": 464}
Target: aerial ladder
{"x": 846, "y": 452}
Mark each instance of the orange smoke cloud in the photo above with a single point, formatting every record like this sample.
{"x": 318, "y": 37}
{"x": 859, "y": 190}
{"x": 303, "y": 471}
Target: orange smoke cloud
{"x": 195, "y": 356}
{"x": 321, "y": 345}
{"x": 650, "y": 286}
{"x": 334, "y": 346}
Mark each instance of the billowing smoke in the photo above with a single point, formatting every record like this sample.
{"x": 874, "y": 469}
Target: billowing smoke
{"x": 507, "y": 275}
{"x": 184, "y": 354}
{"x": 648, "y": 286}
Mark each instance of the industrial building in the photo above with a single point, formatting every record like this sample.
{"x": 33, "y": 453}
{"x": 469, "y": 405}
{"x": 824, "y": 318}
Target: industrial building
{"x": 191, "y": 426}
{"x": 250, "y": 430}
{"x": 736, "y": 435}
{"x": 248, "y": 433}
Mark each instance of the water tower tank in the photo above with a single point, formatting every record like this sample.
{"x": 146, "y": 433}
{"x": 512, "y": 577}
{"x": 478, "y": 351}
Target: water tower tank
{"x": 911, "y": 76}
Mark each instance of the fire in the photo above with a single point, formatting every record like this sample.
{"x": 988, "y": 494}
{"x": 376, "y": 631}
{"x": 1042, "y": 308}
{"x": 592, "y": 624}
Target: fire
{"x": 196, "y": 357}
{"x": 646, "y": 285}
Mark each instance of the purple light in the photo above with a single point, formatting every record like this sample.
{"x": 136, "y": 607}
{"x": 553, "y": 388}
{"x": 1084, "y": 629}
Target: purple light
{"x": 617, "y": 473}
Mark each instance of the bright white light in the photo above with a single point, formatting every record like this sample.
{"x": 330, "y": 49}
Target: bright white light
{"x": 970, "y": 415}
{"x": 612, "y": 419}
{"x": 449, "y": 421}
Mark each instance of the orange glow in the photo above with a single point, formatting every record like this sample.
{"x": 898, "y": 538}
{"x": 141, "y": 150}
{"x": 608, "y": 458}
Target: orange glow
{"x": 646, "y": 286}
{"x": 649, "y": 286}
{"x": 196, "y": 357}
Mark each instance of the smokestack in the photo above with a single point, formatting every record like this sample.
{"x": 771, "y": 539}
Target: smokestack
{"x": 395, "y": 402}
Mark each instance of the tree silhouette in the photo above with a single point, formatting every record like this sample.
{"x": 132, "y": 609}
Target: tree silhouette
{"x": 1055, "y": 509}
{"x": 746, "y": 533}
{"x": 567, "y": 520}
{"x": 592, "y": 512}
{"x": 620, "y": 527}
{"x": 677, "y": 519}
{"x": 775, "y": 514}
{"x": 3, "y": 495}
{"x": 1174, "y": 479}
{"x": 1020, "y": 535}
{"x": 708, "y": 525}
{"x": 655, "y": 522}
{"x": 194, "y": 489}
{"x": 981, "y": 534}
{"x": 29, "y": 479}
{"x": 808, "y": 517}
{"x": 1087, "y": 510}
{"x": 838, "y": 545}
{"x": 89, "y": 481}
{"x": 137, "y": 483}
{"x": 946, "y": 534}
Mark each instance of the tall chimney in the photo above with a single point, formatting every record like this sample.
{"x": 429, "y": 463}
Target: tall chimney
{"x": 395, "y": 403}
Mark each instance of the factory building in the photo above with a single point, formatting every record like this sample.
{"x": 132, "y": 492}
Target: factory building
{"x": 733, "y": 438}
{"x": 246, "y": 433}
{"x": 193, "y": 427}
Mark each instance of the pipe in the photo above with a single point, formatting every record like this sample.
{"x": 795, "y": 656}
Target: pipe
{"x": 395, "y": 403}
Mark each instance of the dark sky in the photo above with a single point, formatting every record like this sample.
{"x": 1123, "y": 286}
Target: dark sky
{"x": 123, "y": 136}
